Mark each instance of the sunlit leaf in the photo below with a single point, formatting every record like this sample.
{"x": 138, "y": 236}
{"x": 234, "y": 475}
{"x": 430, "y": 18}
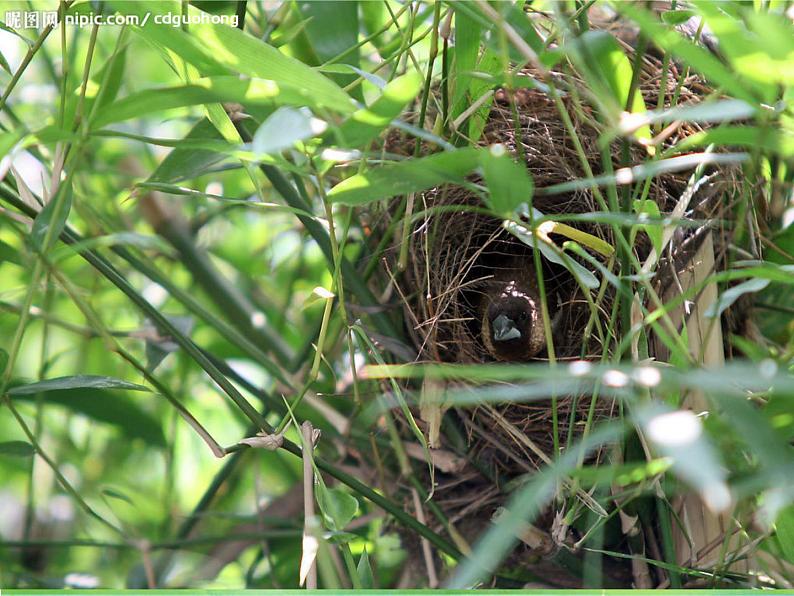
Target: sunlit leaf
{"x": 405, "y": 177}
{"x": 202, "y": 91}
{"x": 367, "y": 123}
{"x": 283, "y": 128}
{"x": 216, "y": 49}
{"x": 678, "y": 434}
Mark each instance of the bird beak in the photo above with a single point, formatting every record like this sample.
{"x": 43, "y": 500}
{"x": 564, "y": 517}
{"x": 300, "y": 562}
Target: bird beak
{"x": 504, "y": 329}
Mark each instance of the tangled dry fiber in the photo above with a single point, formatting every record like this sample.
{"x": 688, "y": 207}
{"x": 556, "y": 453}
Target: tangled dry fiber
{"x": 453, "y": 250}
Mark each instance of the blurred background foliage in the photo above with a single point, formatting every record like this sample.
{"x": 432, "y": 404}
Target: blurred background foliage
{"x": 206, "y": 254}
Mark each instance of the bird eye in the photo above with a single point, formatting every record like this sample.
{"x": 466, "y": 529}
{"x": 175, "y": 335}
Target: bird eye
{"x": 522, "y": 317}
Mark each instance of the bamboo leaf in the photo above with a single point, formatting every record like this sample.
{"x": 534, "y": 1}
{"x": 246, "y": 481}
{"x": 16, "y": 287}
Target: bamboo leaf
{"x": 649, "y": 208}
{"x": 75, "y": 382}
{"x": 367, "y": 123}
{"x": 216, "y": 49}
{"x": 466, "y": 50}
{"x": 50, "y": 221}
{"x": 103, "y": 406}
{"x": 16, "y": 449}
{"x": 338, "y": 507}
{"x": 698, "y": 58}
{"x": 364, "y": 570}
{"x": 406, "y": 177}
{"x": 283, "y": 128}
{"x": 603, "y": 55}
{"x": 509, "y": 183}
{"x": 206, "y": 90}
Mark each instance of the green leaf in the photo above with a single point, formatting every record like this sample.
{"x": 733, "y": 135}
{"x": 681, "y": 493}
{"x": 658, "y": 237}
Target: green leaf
{"x": 367, "y": 123}
{"x": 75, "y": 382}
{"x": 374, "y": 18}
{"x": 784, "y": 532}
{"x": 780, "y": 142}
{"x": 721, "y": 110}
{"x": 648, "y": 208}
{"x": 338, "y": 506}
{"x": 696, "y": 57}
{"x": 105, "y": 406}
{"x": 731, "y": 295}
{"x": 218, "y": 49}
{"x": 16, "y": 449}
{"x": 7, "y": 142}
{"x": 186, "y": 163}
{"x": 491, "y": 64}
{"x": 117, "y": 494}
{"x": 466, "y": 51}
{"x": 606, "y": 62}
{"x": 89, "y": 395}
{"x": 4, "y": 64}
{"x": 364, "y": 570}
{"x": 676, "y": 17}
{"x": 9, "y": 254}
{"x": 762, "y": 54}
{"x": 50, "y": 221}
{"x": 114, "y": 78}
{"x": 509, "y": 183}
{"x": 283, "y": 128}
{"x": 411, "y": 175}
{"x": 3, "y": 360}
{"x": 203, "y": 91}
{"x": 331, "y": 29}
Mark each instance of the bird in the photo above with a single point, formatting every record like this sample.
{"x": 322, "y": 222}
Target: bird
{"x": 511, "y": 322}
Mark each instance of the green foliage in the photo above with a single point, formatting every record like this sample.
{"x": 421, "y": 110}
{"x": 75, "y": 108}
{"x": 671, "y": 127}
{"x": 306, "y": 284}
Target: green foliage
{"x": 213, "y": 180}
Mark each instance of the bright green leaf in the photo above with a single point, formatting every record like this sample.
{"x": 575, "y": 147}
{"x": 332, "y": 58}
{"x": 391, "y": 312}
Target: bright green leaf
{"x": 367, "y": 123}
{"x": 202, "y": 91}
{"x": 648, "y": 208}
{"x": 509, "y": 183}
{"x": 466, "y": 50}
{"x": 405, "y": 177}
{"x": 784, "y": 532}
{"x": 108, "y": 407}
{"x": 338, "y": 506}
{"x": 184, "y": 163}
{"x": 117, "y": 494}
{"x": 696, "y": 57}
{"x": 216, "y": 48}
{"x": 605, "y": 61}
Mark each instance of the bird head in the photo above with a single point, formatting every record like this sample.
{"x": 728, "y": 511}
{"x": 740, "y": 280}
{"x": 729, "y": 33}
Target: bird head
{"x": 508, "y": 328}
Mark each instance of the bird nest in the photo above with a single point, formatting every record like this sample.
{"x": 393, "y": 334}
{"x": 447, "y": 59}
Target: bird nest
{"x": 455, "y": 247}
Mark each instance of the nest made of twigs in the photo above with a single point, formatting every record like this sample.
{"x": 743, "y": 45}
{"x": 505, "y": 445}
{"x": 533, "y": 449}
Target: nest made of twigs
{"x": 453, "y": 250}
